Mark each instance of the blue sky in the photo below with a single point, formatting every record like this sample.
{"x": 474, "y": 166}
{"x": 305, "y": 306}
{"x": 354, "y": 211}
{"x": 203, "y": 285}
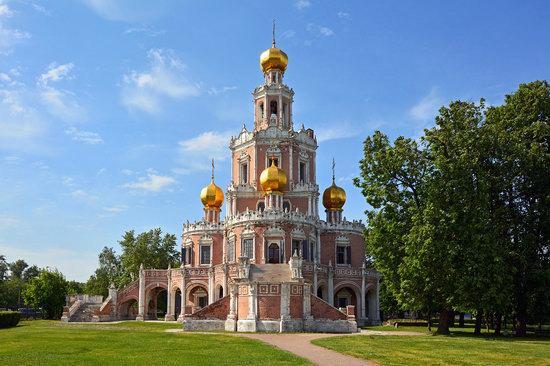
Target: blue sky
{"x": 111, "y": 110}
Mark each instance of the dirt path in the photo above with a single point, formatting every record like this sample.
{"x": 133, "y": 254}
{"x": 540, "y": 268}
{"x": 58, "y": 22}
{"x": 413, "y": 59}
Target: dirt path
{"x": 300, "y": 344}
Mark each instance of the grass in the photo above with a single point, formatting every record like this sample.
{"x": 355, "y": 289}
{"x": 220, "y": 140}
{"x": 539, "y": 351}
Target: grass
{"x": 457, "y": 349}
{"x": 43, "y": 342}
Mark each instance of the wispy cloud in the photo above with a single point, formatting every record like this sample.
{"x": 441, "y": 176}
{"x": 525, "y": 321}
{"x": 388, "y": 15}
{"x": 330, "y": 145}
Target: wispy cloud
{"x": 336, "y": 132}
{"x": 129, "y": 10}
{"x": 152, "y": 183}
{"x": 195, "y": 154}
{"x": 9, "y": 36}
{"x": 41, "y": 9}
{"x": 60, "y": 103}
{"x": 87, "y": 137}
{"x": 302, "y": 4}
{"x": 144, "y": 91}
{"x": 224, "y": 89}
{"x": 343, "y": 15}
{"x": 319, "y": 30}
{"x": 115, "y": 209}
{"x": 288, "y": 34}
{"x": 427, "y": 107}
{"x": 149, "y": 31}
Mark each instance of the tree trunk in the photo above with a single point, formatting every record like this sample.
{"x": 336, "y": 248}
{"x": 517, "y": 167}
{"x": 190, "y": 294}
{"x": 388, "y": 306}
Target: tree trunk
{"x": 452, "y": 318}
{"x": 444, "y": 322}
{"x": 461, "y": 320}
{"x": 521, "y": 318}
{"x": 477, "y": 329}
{"x": 429, "y": 321}
{"x": 498, "y": 323}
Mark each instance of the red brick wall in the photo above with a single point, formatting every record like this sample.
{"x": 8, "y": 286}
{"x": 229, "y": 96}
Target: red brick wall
{"x": 323, "y": 310}
{"x": 296, "y": 306}
{"x": 217, "y": 310}
{"x": 269, "y": 307}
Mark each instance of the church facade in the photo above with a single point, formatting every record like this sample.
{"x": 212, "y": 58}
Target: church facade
{"x": 274, "y": 262}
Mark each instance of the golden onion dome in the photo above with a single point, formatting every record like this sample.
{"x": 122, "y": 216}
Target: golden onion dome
{"x": 273, "y": 58}
{"x": 273, "y": 178}
{"x": 212, "y": 196}
{"x": 334, "y": 197}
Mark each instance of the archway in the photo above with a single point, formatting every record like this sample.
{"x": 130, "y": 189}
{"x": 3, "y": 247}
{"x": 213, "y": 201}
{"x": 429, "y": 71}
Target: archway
{"x": 198, "y": 298}
{"x": 156, "y": 303}
{"x": 177, "y": 305}
{"x": 129, "y": 309}
{"x": 322, "y": 292}
{"x": 345, "y": 296}
{"x": 219, "y": 292}
{"x": 274, "y": 253}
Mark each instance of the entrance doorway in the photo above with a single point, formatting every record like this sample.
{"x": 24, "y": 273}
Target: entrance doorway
{"x": 274, "y": 256}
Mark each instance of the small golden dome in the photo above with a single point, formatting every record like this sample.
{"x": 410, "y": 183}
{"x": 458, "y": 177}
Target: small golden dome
{"x": 334, "y": 198}
{"x": 273, "y": 58}
{"x": 212, "y": 196}
{"x": 273, "y": 178}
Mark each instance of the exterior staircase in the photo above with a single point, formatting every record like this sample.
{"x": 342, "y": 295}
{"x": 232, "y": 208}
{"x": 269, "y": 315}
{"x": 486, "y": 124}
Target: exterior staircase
{"x": 84, "y": 313}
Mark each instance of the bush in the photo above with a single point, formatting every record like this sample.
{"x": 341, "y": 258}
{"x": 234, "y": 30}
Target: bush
{"x": 9, "y": 319}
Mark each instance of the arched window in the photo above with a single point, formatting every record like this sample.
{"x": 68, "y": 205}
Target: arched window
{"x": 273, "y": 107}
{"x": 262, "y": 110}
{"x": 261, "y": 206}
{"x": 273, "y": 253}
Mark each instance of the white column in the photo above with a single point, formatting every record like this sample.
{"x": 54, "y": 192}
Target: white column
{"x": 331, "y": 286}
{"x": 307, "y": 300}
{"x": 141, "y": 296}
{"x": 290, "y": 176}
{"x": 183, "y": 295}
{"x": 252, "y": 301}
{"x": 234, "y": 204}
{"x": 170, "y": 298}
{"x": 363, "y": 293}
{"x": 210, "y": 285}
{"x": 377, "y": 314}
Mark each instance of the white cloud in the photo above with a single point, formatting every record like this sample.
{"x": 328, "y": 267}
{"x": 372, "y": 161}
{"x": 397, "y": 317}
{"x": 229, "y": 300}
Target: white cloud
{"x": 56, "y": 73}
{"x": 82, "y": 194}
{"x": 195, "y": 154}
{"x": 336, "y": 132}
{"x": 225, "y": 89}
{"x": 87, "y": 137}
{"x": 5, "y": 10}
{"x": 149, "y": 31}
{"x": 144, "y": 90}
{"x": 41, "y": 9}
{"x": 152, "y": 182}
{"x": 60, "y": 103}
{"x": 319, "y": 30}
{"x": 302, "y": 4}
{"x": 130, "y": 10}
{"x": 9, "y": 37}
{"x": 11, "y": 159}
{"x": 127, "y": 172}
{"x": 67, "y": 181}
{"x": 115, "y": 209}
{"x": 288, "y": 34}
{"x": 8, "y": 222}
{"x": 343, "y": 15}
{"x": 427, "y": 107}
{"x": 20, "y": 125}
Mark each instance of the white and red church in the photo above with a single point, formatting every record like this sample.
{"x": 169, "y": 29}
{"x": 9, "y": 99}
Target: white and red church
{"x": 272, "y": 263}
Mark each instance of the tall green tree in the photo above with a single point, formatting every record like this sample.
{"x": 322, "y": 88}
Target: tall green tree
{"x": 150, "y": 248}
{"x": 17, "y": 268}
{"x": 520, "y": 141}
{"x": 47, "y": 291}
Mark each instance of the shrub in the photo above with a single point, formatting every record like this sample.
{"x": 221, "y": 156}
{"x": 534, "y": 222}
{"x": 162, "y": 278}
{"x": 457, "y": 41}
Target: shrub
{"x": 9, "y": 319}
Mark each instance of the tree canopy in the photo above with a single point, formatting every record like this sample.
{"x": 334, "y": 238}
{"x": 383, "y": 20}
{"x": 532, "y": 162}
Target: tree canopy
{"x": 460, "y": 220}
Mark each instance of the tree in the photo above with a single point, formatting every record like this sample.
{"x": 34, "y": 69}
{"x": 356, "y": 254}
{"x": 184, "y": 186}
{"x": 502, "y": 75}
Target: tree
{"x": 75, "y": 287}
{"x": 520, "y": 141}
{"x": 31, "y": 272}
{"x": 109, "y": 272}
{"x": 4, "y": 267}
{"x": 150, "y": 249}
{"x": 47, "y": 291}
{"x": 17, "y": 268}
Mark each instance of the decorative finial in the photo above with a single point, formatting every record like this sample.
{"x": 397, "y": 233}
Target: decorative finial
{"x": 333, "y": 165}
{"x": 273, "y": 44}
{"x": 212, "y": 169}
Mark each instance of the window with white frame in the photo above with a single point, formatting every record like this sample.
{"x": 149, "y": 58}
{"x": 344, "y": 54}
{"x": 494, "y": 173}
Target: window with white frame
{"x": 244, "y": 173}
{"x": 343, "y": 253}
{"x": 231, "y": 250}
{"x": 247, "y": 247}
{"x": 205, "y": 254}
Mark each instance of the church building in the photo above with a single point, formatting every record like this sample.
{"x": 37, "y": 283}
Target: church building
{"x": 273, "y": 262}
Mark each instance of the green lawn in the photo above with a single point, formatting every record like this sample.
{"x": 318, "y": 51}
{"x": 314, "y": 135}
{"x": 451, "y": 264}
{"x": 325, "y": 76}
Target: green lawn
{"x": 462, "y": 349}
{"x": 130, "y": 343}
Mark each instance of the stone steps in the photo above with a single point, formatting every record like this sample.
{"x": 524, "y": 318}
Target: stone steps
{"x": 84, "y": 313}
